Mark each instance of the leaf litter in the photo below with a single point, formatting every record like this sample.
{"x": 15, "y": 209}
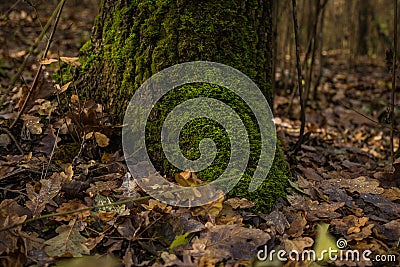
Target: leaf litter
{"x": 342, "y": 186}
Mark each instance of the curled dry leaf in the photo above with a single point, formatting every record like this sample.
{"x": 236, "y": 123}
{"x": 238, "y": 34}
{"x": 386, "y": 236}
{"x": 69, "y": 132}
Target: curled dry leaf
{"x": 73, "y": 61}
{"x": 63, "y": 88}
{"x": 157, "y": 206}
{"x": 48, "y": 61}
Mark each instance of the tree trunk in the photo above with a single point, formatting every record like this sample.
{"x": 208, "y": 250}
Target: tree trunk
{"x": 133, "y": 40}
{"x": 363, "y": 27}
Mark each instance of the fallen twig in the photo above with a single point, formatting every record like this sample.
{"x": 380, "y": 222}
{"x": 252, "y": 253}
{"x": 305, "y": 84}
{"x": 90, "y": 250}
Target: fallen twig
{"x": 35, "y": 81}
{"x": 13, "y": 139}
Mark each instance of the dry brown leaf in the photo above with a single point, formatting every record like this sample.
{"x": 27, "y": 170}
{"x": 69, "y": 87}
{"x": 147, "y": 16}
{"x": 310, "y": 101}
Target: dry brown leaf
{"x": 92, "y": 242}
{"x": 73, "y": 61}
{"x": 72, "y": 205}
{"x": 157, "y": 206}
{"x": 362, "y": 185}
{"x": 49, "y": 188}
{"x": 187, "y": 178}
{"x": 297, "y": 226}
{"x": 32, "y": 123}
{"x": 212, "y": 210}
{"x": 278, "y": 220}
{"x": 63, "y": 88}
{"x": 325, "y": 210}
{"x": 231, "y": 241}
{"x": 48, "y": 61}
{"x": 104, "y": 188}
{"x": 392, "y": 194}
{"x": 11, "y": 213}
{"x": 241, "y": 203}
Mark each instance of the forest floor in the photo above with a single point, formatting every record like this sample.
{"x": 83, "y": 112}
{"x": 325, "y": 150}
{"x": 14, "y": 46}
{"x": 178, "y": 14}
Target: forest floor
{"x": 345, "y": 192}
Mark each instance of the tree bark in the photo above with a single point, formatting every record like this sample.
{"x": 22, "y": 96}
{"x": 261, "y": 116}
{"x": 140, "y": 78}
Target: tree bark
{"x": 133, "y": 40}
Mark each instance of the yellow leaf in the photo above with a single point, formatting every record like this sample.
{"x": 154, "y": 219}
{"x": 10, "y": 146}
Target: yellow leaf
{"x": 325, "y": 243}
{"x": 179, "y": 240}
{"x": 101, "y": 139}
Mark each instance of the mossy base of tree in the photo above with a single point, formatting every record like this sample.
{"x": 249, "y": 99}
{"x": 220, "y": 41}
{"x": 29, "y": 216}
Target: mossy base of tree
{"x": 133, "y": 40}
{"x": 271, "y": 189}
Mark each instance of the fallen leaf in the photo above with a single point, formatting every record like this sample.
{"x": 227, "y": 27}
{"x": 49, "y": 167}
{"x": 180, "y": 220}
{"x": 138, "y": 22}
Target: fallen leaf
{"x": 324, "y": 241}
{"x": 297, "y": 225}
{"x": 10, "y": 213}
{"x": 179, "y": 240}
{"x": 73, "y": 61}
{"x": 72, "y": 205}
{"x": 278, "y": 220}
{"x": 211, "y": 210}
{"x": 68, "y": 243}
{"x": 50, "y": 141}
{"x": 63, "y": 88}
{"x": 101, "y": 139}
{"x": 187, "y": 178}
{"x": 241, "y": 203}
{"x": 32, "y": 123}
{"x": 225, "y": 242}
{"x": 48, "y": 61}
{"x": 362, "y": 185}
{"x": 157, "y": 206}
{"x": 49, "y": 188}
{"x": 104, "y": 188}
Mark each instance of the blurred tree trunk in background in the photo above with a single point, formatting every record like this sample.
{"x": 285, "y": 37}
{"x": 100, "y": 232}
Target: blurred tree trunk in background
{"x": 363, "y": 27}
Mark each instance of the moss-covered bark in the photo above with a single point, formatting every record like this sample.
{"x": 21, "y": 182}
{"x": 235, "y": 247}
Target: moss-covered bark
{"x": 132, "y": 40}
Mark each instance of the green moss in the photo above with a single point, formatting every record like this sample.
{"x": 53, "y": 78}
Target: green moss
{"x": 272, "y": 188}
{"x": 198, "y": 129}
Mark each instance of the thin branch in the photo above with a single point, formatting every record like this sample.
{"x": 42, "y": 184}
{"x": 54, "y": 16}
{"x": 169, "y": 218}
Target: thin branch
{"x": 4, "y": 16}
{"x": 125, "y": 201}
{"x": 13, "y": 139}
{"x": 394, "y": 67}
{"x": 36, "y": 79}
{"x": 299, "y": 80}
